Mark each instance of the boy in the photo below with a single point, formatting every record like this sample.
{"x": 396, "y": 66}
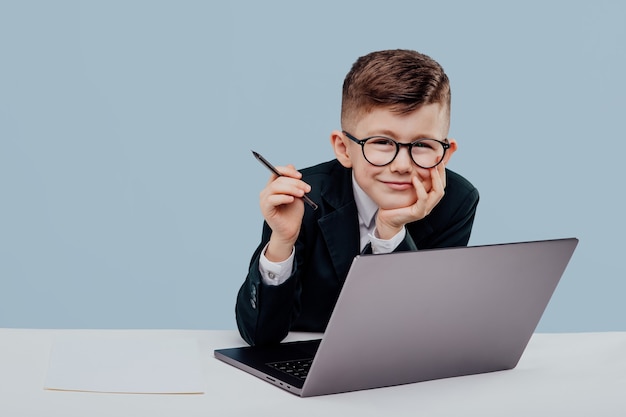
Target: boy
{"x": 383, "y": 193}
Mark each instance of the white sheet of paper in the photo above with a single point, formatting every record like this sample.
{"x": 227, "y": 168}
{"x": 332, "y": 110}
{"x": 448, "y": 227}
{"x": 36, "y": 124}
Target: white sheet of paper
{"x": 125, "y": 364}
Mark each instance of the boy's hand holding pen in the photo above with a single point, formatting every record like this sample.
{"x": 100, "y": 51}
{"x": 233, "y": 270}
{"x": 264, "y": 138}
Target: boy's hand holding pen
{"x": 281, "y": 209}
{"x": 271, "y": 167}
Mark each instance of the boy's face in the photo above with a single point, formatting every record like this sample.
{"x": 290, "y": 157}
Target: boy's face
{"x": 390, "y": 185}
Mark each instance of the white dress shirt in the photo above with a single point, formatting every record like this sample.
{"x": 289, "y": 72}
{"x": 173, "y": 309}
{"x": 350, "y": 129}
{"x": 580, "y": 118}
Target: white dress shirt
{"x": 275, "y": 273}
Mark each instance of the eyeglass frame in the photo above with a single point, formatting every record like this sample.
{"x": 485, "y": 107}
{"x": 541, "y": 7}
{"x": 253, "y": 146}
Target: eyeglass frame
{"x": 409, "y": 147}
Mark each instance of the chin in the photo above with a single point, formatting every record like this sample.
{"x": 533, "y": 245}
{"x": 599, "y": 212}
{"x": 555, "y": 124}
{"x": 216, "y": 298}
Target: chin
{"x": 396, "y": 203}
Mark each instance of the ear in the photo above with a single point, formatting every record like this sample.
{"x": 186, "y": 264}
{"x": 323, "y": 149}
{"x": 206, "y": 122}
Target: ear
{"x": 452, "y": 149}
{"x": 342, "y": 152}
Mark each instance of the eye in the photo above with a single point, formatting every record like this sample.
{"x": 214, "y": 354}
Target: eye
{"x": 425, "y": 144}
{"x": 381, "y": 142}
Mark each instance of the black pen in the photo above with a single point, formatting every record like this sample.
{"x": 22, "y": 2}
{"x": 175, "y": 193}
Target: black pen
{"x": 275, "y": 171}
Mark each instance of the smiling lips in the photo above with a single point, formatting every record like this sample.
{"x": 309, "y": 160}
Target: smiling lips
{"x": 398, "y": 186}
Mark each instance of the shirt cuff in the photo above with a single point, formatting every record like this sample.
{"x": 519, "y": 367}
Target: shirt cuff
{"x": 386, "y": 246}
{"x": 275, "y": 273}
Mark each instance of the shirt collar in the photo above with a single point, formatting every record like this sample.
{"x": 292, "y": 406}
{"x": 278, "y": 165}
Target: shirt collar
{"x": 366, "y": 207}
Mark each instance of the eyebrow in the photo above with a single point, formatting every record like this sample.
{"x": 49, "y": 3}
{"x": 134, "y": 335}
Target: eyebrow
{"x": 392, "y": 135}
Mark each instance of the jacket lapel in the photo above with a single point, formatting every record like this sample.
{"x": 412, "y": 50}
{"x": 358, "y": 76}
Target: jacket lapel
{"x": 340, "y": 225}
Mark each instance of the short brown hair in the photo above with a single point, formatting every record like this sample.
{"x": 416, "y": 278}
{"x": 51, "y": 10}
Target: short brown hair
{"x": 400, "y": 79}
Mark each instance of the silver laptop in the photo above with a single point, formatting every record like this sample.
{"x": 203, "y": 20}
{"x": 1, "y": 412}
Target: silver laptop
{"x": 416, "y": 316}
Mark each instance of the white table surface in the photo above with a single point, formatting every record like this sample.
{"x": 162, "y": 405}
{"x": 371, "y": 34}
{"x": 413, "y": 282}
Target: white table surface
{"x": 577, "y": 374}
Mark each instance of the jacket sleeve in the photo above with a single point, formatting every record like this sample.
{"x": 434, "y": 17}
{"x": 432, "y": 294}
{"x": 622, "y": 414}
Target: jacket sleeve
{"x": 264, "y": 313}
{"x": 450, "y": 224}
{"x": 460, "y": 230}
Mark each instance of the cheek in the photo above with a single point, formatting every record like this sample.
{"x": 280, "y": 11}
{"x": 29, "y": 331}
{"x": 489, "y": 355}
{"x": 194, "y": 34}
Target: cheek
{"x": 354, "y": 153}
{"x": 364, "y": 172}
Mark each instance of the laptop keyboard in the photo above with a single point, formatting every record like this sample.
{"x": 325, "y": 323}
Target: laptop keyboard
{"x": 298, "y": 368}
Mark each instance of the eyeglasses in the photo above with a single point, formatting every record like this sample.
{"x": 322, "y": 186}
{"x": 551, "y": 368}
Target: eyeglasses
{"x": 381, "y": 150}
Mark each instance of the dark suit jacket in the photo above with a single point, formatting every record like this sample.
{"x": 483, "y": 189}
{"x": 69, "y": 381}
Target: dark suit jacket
{"x": 328, "y": 241}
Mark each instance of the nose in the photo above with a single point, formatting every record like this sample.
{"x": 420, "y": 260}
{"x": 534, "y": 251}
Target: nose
{"x": 402, "y": 162}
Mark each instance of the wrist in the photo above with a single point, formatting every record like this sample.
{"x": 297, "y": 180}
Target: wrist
{"x": 386, "y": 245}
{"x": 278, "y": 250}
{"x": 386, "y": 232}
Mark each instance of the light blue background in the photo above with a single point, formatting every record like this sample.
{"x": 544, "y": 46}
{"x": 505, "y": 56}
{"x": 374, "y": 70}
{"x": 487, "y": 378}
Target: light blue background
{"x": 128, "y": 194}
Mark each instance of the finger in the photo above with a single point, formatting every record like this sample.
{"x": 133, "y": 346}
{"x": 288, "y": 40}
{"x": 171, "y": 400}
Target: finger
{"x": 287, "y": 185}
{"x": 275, "y": 204}
{"x": 426, "y": 201}
{"x": 419, "y": 208}
{"x": 289, "y": 171}
{"x": 290, "y": 186}
{"x": 437, "y": 179}
{"x": 421, "y": 192}
{"x": 437, "y": 189}
{"x": 442, "y": 173}
{"x": 285, "y": 172}
{"x": 276, "y": 200}
{"x": 282, "y": 192}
